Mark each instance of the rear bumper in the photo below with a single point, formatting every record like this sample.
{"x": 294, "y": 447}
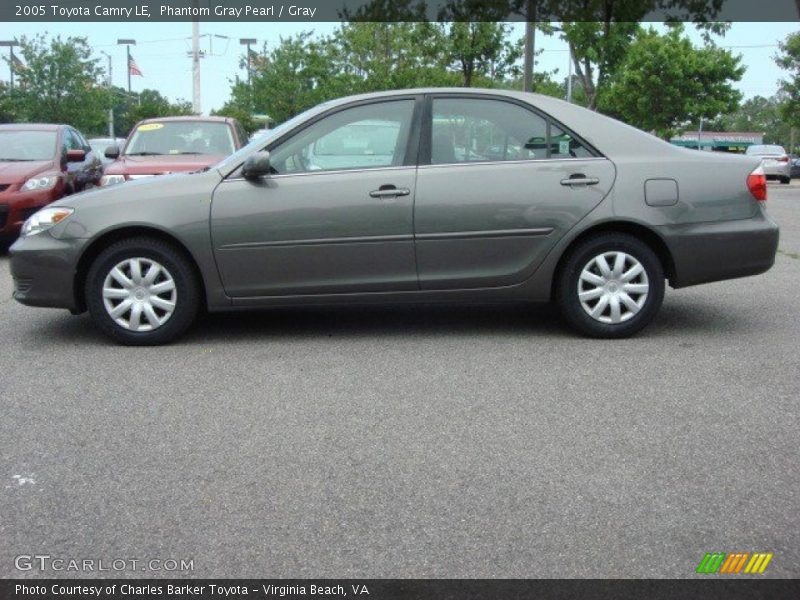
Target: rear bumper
{"x": 777, "y": 171}
{"x": 706, "y": 252}
{"x": 43, "y": 269}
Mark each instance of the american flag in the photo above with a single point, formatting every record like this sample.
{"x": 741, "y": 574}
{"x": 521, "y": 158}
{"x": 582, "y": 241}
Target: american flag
{"x": 133, "y": 68}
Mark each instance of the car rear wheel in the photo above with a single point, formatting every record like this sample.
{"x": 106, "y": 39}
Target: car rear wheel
{"x": 786, "y": 180}
{"x": 610, "y": 286}
{"x": 142, "y": 291}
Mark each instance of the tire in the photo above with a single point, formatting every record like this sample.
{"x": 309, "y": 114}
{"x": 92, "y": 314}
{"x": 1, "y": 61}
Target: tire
{"x": 786, "y": 180}
{"x": 166, "y": 306}
{"x": 581, "y": 274}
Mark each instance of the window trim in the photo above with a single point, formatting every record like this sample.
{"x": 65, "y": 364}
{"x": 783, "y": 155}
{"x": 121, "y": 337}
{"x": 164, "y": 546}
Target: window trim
{"x": 424, "y": 157}
{"x": 411, "y": 152}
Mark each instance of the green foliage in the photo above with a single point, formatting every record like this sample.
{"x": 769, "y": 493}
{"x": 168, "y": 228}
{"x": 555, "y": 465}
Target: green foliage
{"x": 664, "y": 81}
{"x": 129, "y": 109}
{"x": 757, "y": 114}
{"x": 60, "y": 84}
{"x": 789, "y": 59}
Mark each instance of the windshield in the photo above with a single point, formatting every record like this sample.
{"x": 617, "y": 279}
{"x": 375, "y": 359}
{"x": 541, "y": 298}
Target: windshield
{"x": 766, "y": 150}
{"x": 180, "y": 137}
{"x": 27, "y": 145}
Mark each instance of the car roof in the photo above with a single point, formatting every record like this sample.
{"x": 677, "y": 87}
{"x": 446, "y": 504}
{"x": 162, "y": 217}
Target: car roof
{"x": 188, "y": 118}
{"x": 31, "y": 126}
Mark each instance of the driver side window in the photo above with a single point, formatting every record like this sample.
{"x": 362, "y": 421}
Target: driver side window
{"x": 373, "y": 135}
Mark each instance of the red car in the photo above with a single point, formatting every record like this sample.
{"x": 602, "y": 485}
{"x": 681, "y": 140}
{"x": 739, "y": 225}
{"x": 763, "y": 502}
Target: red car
{"x": 173, "y": 145}
{"x": 38, "y": 165}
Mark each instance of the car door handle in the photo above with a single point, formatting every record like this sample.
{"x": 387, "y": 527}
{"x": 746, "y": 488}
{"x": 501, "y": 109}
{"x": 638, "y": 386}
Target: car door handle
{"x": 580, "y": 179}
{"x": 389, "y": 191}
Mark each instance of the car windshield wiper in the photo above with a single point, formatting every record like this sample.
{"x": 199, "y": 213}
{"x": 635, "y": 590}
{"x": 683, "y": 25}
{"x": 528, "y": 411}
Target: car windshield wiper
{"x": 17, "y": 159}
{"x": 143, "y": 153}
{"x": 174, "y": 153}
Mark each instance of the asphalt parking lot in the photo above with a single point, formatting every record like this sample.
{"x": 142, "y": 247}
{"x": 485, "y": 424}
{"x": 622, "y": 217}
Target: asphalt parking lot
{"x": 413, "y": 442}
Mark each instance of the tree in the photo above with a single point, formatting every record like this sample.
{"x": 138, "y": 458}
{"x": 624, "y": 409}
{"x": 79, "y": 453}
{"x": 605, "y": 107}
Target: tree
{"x": 295, "y": 75}
{"x": 757, "y": 114}
{"x": 789, "y": 59}
{"x": 663, "y": 81}
{"x": 481, "y": 49}
{"x": 599, "y": 32}
{"x": 60, "y": 84}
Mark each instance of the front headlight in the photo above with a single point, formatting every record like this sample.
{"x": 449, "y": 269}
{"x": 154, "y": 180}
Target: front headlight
{"x": 44, "y": 182}
{"x": 44, "y": 220}
{"x": 112, "y": 179}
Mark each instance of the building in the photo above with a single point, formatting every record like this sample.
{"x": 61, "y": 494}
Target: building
{"x": 719, "y": 141}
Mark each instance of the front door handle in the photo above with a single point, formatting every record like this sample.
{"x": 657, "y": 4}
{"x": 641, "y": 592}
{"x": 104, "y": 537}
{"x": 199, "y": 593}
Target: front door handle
{"x": 389, "y": 191}
{"x": 580, "y": 179}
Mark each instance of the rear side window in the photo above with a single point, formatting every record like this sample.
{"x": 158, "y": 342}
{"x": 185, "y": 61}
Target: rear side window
{"x": 467, "y": 130}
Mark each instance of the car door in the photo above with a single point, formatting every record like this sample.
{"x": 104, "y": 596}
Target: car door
{"x": 498, "y": 185}
{"x": 336, "y": 215}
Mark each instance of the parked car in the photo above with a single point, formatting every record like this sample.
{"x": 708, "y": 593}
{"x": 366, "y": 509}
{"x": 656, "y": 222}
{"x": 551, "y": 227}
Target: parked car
{"x": 774, "y": 161}
{"x": 590, "y": 213}
{"x": 39, "y": 164}
{"x": 173, "y": 145}
{"x": 795, "y": 170}
{"x": 100, "y": 145}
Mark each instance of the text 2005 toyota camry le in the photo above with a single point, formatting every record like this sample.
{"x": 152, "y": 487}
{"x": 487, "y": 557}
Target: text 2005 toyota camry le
{"x": 418, "y": 195}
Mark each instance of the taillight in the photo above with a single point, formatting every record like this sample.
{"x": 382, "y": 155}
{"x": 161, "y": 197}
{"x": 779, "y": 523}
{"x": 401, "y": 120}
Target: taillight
{"x": 757, "y": 184}
{"x": 783, "y": 159}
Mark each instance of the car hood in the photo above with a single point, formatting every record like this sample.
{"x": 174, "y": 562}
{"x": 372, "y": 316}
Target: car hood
{"x": 12, "y": 171}
{"x": 162, "y": 163}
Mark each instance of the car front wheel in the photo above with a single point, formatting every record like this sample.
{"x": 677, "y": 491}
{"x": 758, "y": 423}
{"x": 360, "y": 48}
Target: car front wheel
{"x": 142, "y": 291}
{"x": 610, "y": 286}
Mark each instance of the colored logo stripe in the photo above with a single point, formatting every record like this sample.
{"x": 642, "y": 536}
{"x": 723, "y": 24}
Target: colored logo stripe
{"x": 721, "y": 562}
{"x": 758, "y": 563}
{"x": 711, "y": 562}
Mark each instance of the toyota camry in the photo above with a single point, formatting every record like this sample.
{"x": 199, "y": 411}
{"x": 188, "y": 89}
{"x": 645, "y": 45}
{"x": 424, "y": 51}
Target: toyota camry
{"x": 430, "y": 195}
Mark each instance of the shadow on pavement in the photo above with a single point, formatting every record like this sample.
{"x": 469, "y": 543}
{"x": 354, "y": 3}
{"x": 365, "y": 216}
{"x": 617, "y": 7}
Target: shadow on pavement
{"x": 676, "y": 319}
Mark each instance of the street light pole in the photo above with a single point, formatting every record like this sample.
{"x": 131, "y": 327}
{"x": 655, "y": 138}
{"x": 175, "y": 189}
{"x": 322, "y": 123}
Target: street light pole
{"x": 110, "y": 96}
{"x": 128, "y": 42}
{"x": 10, "y": 44}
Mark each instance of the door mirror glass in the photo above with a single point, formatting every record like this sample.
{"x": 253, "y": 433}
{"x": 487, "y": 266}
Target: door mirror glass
{"x": 256, "y": 166}
{"x": 112, "y": 152}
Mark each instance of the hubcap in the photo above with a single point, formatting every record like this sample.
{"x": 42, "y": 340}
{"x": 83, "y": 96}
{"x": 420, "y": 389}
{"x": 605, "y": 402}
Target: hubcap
{"x": 613, "y": 287}
{"x": 139, "y": 294}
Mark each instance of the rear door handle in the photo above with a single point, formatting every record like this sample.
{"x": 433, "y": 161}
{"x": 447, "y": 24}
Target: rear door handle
{"x": 389, "y": 191}
{"x": 580, "y": 179}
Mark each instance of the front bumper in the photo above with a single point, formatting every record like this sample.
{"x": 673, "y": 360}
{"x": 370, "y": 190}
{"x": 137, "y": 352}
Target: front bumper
{"x": 706, "y": 252}
{"x": 17, "y": 206}
{"x": 44, "y": 269}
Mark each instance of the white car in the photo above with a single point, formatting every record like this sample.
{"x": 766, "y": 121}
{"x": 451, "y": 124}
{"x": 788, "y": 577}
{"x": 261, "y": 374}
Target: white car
{"x": 774, "y": 160}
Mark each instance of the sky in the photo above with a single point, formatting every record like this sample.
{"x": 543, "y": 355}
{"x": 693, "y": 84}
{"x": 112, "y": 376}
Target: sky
{"x": 162, "y": 50}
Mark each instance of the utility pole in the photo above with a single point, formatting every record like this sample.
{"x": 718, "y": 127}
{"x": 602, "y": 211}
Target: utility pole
{"x": 530, "y": 45}
{"x": 248, "y": 42}
{"x": 569, "y": 75}
{"x": 196, "y": 106}
{"x": 111, "y": 97}
{"x": 128, "y": 42}
{"x": 10, "y": 44}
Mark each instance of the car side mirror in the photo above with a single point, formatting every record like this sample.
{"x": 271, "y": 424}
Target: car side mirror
{"x": 76, "y": 155}
{"x": 257, "y": 165}
{"x": 112, "y": 152}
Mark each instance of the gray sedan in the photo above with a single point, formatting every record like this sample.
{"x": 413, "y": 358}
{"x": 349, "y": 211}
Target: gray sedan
{"x": 431, "y": 195}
